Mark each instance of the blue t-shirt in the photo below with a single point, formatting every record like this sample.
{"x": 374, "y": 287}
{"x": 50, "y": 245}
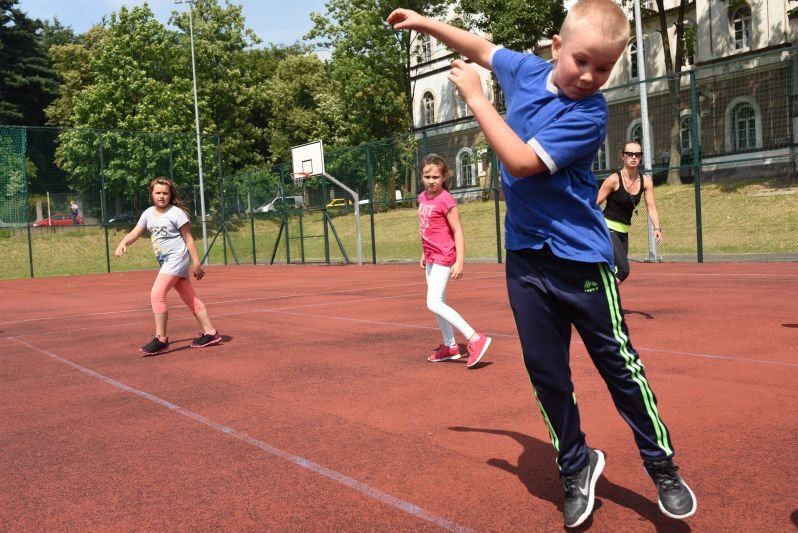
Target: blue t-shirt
{"x": 557, "y": 208}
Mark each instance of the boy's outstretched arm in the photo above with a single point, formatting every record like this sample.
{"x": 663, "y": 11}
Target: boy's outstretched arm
{"x": 518, "y": 158}
{"x": 466, "y": 43}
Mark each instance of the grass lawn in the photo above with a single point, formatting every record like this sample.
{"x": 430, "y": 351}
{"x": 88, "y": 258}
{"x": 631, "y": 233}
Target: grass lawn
{"x": 753, "y": 220}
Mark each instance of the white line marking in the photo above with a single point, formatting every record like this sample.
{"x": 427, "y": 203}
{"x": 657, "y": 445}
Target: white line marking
{"x": 316, "y": 468}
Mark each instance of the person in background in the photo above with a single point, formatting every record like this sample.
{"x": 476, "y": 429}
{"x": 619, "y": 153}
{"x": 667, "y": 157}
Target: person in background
{"x": 442, "y": 256}
{"x": 622, "y": 191}
{"x": 168, "y": 224}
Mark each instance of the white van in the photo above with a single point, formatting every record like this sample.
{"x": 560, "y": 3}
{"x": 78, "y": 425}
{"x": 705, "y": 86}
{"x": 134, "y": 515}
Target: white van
{"x": 290, "y": 201}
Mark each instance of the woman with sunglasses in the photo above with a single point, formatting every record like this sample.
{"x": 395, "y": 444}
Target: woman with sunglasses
{"x": 622, "y": 191}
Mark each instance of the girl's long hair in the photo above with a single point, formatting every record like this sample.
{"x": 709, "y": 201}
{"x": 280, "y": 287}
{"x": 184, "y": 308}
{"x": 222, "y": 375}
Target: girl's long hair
{"x": 174, "y": 198}
{"x": 438, "y": 161}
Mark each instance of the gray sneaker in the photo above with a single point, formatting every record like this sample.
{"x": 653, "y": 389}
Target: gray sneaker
{"x": 674, "y": 496}
{"x": 580, "y": 490}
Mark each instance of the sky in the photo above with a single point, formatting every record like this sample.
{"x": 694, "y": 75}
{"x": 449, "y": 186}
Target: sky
{"x": 274, "y": 21}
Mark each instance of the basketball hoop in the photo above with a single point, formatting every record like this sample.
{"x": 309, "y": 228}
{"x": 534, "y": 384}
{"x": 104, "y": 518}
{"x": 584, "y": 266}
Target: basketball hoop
{"x": 299, "y": 178}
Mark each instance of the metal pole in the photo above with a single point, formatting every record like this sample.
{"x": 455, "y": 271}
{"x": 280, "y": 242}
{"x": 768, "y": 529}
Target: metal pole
{"x": 197, "y": 126}
{"x": 356, "y": 199}
{"x": 641, "y": 72}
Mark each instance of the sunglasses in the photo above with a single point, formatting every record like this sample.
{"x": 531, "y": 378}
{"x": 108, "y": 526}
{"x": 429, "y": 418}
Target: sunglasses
{"x": 633, "y": 154}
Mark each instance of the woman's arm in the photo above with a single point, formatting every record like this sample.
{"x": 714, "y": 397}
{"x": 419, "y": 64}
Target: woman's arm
{"x": 651, "y": 206}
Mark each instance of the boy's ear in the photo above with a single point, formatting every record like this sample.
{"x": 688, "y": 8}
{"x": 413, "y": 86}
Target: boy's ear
{"x": 556, "y": 44}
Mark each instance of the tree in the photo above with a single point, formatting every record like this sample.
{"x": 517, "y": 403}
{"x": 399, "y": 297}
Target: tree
{"x": 303, "y": 105}
{"x": 27, "y": 83}
{"x": 129, "y": 87}
{"x": 225, "y": 84}
{"x": 673, "y": 69}
{"x": 516, "y": 24}
{"x": 72, "y": 62}
{"x": 371, "y": 63}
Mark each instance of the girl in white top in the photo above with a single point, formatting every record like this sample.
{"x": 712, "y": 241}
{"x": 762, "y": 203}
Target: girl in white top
{"x": 176, "y": 252}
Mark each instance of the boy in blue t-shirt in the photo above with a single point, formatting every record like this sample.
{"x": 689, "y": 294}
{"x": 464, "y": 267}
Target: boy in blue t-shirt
{"x": 559, "y": 252}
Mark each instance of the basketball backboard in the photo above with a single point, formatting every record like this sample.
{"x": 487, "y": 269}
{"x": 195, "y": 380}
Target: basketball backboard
{"x": 308, "y": 158}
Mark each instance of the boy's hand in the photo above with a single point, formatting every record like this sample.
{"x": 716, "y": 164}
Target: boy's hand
{"x": 422, "y": 262}
{"x": 120, "y": 250}
{"x": 466, "y": 80}
{"x": 405, "y": 19}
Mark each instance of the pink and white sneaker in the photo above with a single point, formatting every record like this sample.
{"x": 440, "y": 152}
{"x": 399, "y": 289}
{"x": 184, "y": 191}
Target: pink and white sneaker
{"x": 444, "y": 353}
{"x": 477, "y": 349}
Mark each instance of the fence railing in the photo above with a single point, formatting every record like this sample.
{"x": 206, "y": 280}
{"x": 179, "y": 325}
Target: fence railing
{"x": 724, "y": 165}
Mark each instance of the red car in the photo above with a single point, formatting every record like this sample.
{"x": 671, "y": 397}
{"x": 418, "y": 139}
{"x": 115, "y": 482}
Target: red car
{"x": 57, "y": 220}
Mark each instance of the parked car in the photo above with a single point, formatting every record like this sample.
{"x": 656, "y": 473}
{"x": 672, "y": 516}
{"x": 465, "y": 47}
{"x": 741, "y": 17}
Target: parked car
{"x": 124, "y": 218}
{"x": 57, "y": 220}
{"x": 290, "y": 201}
{"x": 338, "y": 202}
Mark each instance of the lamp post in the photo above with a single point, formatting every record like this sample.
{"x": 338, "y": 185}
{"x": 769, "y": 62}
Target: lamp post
{"x": 646, "y": 140}
{"x": 197, "y": 126}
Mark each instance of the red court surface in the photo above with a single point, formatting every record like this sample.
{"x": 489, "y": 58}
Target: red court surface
{"x": 319, "y": 412}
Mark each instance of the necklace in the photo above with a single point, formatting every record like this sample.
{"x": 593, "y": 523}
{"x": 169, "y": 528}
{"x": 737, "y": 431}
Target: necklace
{"x": 626, "y": 181}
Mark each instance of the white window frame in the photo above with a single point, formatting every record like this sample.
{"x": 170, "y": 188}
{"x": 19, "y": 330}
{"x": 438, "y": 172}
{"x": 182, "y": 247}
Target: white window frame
{"x": 461, "y": 108}
{"x": 426, "y": 48}
{"x": 742, "y": 28}
{"x": 602, "y": 160}
{"x": 466, "y": 173}
{"x": 732, "y": 138}
{"x": 686, "y": 115}
{"x": 428, "y": 108}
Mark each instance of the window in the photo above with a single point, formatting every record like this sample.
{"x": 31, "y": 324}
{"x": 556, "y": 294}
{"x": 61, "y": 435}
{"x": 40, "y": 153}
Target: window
{"x": 741, "y": 21}
{"x": 428, "y": 112}
{"x": 498, "y": 97}
{"x": 633, "y": 59}
{"x": 743, "y": 117}
{"x": 686, "y": 133}
{"x": 601, "y": 163}
{"x": 461, "y": 107}
{"x": 637, "y": 134}
{"x": 466, "y": 173}
{"x": 426, "y": 48}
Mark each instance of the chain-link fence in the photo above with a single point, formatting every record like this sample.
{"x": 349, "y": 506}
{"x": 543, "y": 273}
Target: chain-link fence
{"x": 723, "y": 156}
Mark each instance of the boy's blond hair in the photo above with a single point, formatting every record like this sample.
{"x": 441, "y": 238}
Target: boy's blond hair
{"x": 604, "y": 16}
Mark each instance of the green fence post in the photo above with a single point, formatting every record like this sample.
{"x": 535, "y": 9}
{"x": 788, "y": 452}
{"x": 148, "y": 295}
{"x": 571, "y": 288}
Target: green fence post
{"x": 103, "y": 207}
{"x": 697, "y": 168}
{"x": 494, "y": 179}
{"x": 370, "y": 175}
{"x": 251, "y": 212}
{"x": 23, "y": 150}
{"x": 223, "y": 227}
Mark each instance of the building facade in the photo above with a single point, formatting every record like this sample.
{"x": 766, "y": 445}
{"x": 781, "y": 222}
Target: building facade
{"x": 731, "y": 108}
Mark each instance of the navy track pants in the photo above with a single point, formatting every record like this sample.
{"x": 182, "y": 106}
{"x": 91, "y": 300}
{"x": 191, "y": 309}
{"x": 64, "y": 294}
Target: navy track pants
{"x": 548, "y": 295}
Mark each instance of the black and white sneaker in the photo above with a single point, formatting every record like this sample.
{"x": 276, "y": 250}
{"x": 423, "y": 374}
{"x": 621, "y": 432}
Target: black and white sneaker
{"x": 580, "y": 490}
{"x": 206, "y": 339}
{"x": 155, "y": 346}
{"x": 674, "y": 496}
